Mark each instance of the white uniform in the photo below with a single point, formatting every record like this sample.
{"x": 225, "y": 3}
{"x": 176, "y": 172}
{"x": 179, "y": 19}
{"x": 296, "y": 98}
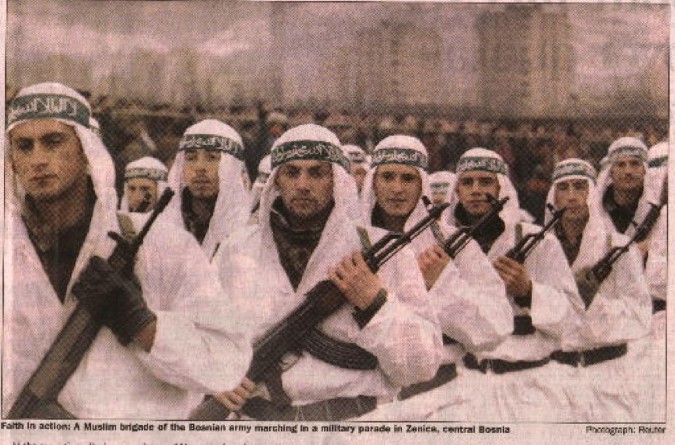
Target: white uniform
{"x": 468, "y": 297}
{"x": 405, "y": 343}
{"x": 529, "y": 394}
{"x": 619, "y": 313}
{"x": 656, "y": 273}
{"x": 231, "y": 210}
{"x": 197, "y": 348}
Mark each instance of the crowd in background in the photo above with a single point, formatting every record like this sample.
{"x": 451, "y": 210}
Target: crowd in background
{"x": 531, "y": 147}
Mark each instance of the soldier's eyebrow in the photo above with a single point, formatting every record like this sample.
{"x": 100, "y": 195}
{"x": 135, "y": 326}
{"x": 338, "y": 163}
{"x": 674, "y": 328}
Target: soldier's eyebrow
{"x": 53, "y": 134}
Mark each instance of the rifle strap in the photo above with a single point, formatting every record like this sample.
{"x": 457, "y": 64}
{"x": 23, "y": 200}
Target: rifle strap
{"x": 325, "y": 348}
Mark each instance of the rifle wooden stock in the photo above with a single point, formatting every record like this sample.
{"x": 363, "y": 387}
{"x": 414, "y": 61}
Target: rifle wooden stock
{"x": 320, "y": 302}
{"x": 75, "y": 338}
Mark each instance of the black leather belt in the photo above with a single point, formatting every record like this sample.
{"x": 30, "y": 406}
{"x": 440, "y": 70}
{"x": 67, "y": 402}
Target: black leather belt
{"x": 590, "y": 356}
{"x": 501, "y": 366}
{"x": 658, "y": 306}
{"x": 445, "y": 374}
{"x": 340, "y": 408}
{"x": 522, "y": 325}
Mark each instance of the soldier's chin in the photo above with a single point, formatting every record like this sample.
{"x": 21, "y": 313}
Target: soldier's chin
{"x": 45, "y": 195}
{"x": 478, "y": 209}
{"x": 203, "y": 192}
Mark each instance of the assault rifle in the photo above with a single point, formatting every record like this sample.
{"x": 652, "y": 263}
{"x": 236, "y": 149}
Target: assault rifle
{"x": 38, "y": 396}
{"x": 603, "y": 267}
{"x": 458, "y": 240}
{"x": 526, "y": 245}
{"x": 320, "y": 302}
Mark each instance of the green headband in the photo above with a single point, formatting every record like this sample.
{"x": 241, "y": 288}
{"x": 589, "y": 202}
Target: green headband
{"x": 357, "y": 157}
{"x": 487, "y": 164}
{"x": 574, "y": 169}
{"x": 147, "y": 173}
{"x": 212, "y": 143}
{"x": 48, "y": 106}
{"x": 308, "y": 150}
{"x": 262, "y": 177}
{"x": 405, "y": 156}
{"x": 629, "y": 150}
{"x": 658, "y": 162}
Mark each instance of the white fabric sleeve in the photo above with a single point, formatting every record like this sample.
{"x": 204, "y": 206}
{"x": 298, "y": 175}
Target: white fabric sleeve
{"x": 470, "y": 301}
{"x": 406, "y": 341}
{"x": 198, "y": 344}
{"x": 656, "y": 270}
{"x": 554, "y": 290}
{"x": 621, "y": 309}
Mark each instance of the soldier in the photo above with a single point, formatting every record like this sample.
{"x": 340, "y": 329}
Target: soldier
{"x": 621, "y": 185}
{"x": 513, "y": 379}
{"x": 211, "y": 182}
{"x": 600, "y": 382}
{"x": 465, "y": 292}
{"x": 264, "y": 169}
{"x": 306, "y": 235}
{"x": 170, "y": 334}
{"x": 359, "y": 165}
{"x": 441, "y": 183}
{"x": 144, "y": 181}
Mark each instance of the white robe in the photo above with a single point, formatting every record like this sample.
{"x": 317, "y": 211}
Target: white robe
{"x": 402, "y": 334}
{"x": 532, "y": 394}
{"x": 470, "y": 302}
{"x": 198, "y": 347}
{"x": 620, "y": 312}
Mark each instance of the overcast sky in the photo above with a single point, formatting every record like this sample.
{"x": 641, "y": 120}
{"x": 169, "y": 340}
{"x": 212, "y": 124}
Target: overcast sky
{"x": 610, "y": 40}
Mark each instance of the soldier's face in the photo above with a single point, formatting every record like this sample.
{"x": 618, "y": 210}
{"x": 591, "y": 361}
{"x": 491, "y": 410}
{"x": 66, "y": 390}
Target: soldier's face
{"x": 473, "y": 188}
{"x": 306, "y": 187}
{"x": 359, "y": 175}
{"x": 47, "y": 158}
{"x": 628, "y": 173}
{"x": 200, "y": 172}
{"x": 572, "y": 194}
{"x": 439, "y": 192}
{"x": 141, "y": 194}
{"x": 397, "y": 188}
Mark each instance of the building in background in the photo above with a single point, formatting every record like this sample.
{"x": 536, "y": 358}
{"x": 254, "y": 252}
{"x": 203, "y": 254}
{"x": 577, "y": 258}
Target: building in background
{"x": 526, "y": 61}
{"x": 396, "y": 63}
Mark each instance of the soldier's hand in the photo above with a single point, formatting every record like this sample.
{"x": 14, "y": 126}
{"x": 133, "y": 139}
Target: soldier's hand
{"x": 113, "y": 300}
{"x": 356, "y": 281}
{"x": 234, "y": 400}
{"x": 432, "y": 261}
{"x": 514, "y": 275}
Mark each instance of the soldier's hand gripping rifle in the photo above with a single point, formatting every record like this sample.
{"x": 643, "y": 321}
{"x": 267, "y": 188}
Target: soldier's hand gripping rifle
{"x": 38, "y": 396}
{"x": 320, "y": 302}
{"x": 526, "y": 245}
{"x": 520, "y": 252}
{"x": 588, "y": 281}
{"x": 458, "y": 240}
